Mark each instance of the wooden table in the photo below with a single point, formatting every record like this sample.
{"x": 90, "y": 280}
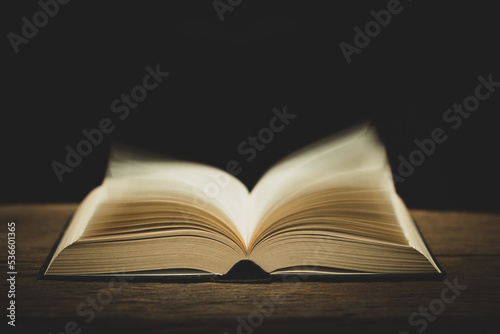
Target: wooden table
{"x": 465, "y": 244}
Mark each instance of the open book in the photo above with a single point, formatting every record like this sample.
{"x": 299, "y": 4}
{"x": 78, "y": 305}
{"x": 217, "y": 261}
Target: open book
{"x": 328, "y": 209}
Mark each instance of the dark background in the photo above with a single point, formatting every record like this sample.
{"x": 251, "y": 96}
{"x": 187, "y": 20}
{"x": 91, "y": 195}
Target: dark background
{"x": 226, "y": 77}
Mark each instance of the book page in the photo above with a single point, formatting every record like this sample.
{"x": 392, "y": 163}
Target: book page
{"x": 354, "y": 158}
{"x": 197, "y": 184}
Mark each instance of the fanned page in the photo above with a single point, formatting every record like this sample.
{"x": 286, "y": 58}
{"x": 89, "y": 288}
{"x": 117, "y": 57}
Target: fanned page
{"x": 331, "y": 208}
{"x": 200, "y": 185}
{"x": 156, "y": 216}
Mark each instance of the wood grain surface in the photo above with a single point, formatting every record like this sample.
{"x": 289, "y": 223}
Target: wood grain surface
{"x": 465, "y": 244}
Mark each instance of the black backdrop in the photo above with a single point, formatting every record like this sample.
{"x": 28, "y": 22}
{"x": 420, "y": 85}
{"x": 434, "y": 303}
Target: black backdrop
{"x": 227, "y": 76}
